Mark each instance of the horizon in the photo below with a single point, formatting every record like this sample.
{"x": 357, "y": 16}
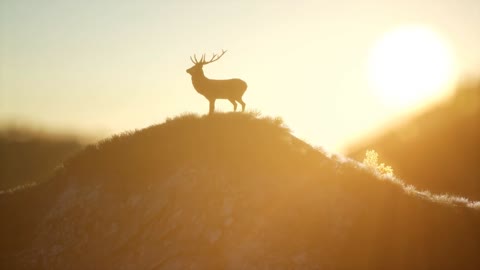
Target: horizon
{"x": 107, "y": 67}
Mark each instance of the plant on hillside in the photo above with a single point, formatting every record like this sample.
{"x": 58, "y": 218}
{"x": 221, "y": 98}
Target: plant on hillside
{"x": 371, "y": 161}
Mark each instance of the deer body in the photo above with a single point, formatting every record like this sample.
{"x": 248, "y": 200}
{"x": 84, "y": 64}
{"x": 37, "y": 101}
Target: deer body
{"x": 212, "y": 90}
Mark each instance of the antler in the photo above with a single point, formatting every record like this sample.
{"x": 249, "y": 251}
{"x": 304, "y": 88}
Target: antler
{"x": 214, "y": 58}
{"x": 202, "y": 60}
{"x": 196, "y": 61}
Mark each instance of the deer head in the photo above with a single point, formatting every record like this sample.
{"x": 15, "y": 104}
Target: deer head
{"x": 196, "y": 69}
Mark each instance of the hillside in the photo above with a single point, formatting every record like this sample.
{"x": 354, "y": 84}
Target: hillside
{"x": 27, "y": 156}
{"x": 229, "y": 191}
{"x": 439, "y": 149}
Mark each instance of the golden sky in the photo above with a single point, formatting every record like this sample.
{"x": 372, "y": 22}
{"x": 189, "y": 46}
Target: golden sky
{"x": 110, "y": 66}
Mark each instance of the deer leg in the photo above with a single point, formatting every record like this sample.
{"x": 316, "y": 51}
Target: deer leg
{"x": 212, "y": 106}
{"x": 241, "y": 103}
{"x": 234, "y": 104}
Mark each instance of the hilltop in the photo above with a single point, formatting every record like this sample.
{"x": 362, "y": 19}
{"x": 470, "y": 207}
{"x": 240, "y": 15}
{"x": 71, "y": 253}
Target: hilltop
{"x": 230, "y": 191}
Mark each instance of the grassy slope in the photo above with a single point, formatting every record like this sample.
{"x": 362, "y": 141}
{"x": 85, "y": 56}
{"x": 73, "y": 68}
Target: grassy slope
{"x": 27, "y": 157}
{"x": 438, "y": 150}
{"x": 230, "y": 191}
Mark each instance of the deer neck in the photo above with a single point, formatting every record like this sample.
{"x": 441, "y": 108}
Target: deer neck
{"x": 199, "y": 82}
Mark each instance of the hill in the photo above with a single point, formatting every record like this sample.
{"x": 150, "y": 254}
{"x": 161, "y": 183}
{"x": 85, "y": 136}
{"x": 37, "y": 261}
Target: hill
{"x": 229, "y": 191}
{"x": 27, "y": 156}
{"x": 439, "y": 149}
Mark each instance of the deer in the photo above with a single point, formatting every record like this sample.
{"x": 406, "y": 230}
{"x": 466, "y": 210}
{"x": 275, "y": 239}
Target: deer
{"x": 232, "y": 89}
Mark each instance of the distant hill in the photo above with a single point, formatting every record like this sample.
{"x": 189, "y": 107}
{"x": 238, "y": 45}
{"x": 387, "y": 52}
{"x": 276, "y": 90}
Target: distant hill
{"x": 27, "y": 156}
{"x": 438, "y": 150}
{"x": 229, "y": 191}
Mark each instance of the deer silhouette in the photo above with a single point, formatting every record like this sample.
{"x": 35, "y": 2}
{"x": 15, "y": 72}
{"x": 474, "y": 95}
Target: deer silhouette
{"x": 232, "y": 89}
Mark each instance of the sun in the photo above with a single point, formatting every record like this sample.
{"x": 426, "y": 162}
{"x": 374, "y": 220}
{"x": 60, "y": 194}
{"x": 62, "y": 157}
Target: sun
{"x": 410, "y": 65}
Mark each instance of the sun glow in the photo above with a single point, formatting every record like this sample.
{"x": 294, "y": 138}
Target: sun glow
{"x": 410, "y": 65}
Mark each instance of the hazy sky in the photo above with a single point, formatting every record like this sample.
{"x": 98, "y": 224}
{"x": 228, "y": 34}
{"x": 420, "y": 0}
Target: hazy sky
{"x": 110, "y": 66}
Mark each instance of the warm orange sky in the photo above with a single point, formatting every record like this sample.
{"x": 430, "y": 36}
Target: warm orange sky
{"x": 110, "y": 66}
